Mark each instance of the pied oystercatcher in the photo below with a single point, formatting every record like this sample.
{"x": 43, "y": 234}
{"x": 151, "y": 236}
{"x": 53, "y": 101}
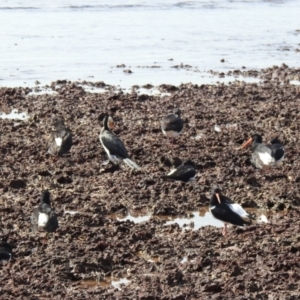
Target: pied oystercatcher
{"x": 225, "y": 210}
{"x": 172, "y": 125}
{"x": 60, "y": 138}
{"x": 43, "y": 217}
{"x": 264, "y": 155}
{"x": 185, "y": 172}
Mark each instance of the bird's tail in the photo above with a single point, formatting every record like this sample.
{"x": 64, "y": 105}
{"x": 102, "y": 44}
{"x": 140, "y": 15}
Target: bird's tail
{"x": 131, "y": 164}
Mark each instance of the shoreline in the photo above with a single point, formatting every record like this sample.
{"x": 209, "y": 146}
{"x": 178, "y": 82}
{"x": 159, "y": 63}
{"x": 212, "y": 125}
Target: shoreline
{"x": 125, "y": 78}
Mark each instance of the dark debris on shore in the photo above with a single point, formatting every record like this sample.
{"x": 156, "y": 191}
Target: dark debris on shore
{"x": 260, "y": 262}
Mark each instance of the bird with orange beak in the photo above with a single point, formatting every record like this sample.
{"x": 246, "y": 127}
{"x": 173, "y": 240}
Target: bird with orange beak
{"x": 225, "y": 210}
{"x": 264, "y": 155}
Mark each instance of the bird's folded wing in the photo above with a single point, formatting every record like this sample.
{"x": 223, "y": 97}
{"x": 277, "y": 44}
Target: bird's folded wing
{"x": 172, "y": 123}
{"x": 114, "y": 145}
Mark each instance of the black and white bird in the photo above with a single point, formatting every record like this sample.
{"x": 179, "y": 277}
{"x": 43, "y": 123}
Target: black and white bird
{"x": 43, "y": 217}
{"x": 172, "y": 125}
{"x": 113, "y": 146}
{"x": 5, "y": 251}
{"x": 225, "y": 210}
{"x": 185, "y": 172}
{"x": 264, "y": 155}
{"x": 60, "y": 138}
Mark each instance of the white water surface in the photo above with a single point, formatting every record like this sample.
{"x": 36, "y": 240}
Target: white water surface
{"x": 198, "y": 220}
{"x": 136, "y": 220}
{"x": 118, "y": 283}
{"x": 14, "y": 115}
{"x": 87, "y": 39}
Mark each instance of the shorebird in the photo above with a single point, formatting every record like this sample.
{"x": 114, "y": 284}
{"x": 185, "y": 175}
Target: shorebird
{"x": 60, "y": 138}
{"x": 43, "y": 217}
{"x": 113, "y": 146}
{"x": 225, "y": 210}
{"x": 185, "y": 172}
{"x": 5, "y": 251}
{"x": 264, "y": 155}
{"x": 172, "y": 125}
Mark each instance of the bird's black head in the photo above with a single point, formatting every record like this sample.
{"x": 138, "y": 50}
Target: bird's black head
{"x": 215, "y": 197}
{"x": 215, "y": 190}
{"x": 58, "y": 122}
{"x": 257, "y": 138}
{"x": 177, "y": 111}
{"x": 5, "y": 246}
{"x": 45, "y": 197}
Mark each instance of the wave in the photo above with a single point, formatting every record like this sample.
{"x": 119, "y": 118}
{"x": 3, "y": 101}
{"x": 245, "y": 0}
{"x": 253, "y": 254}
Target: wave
{"x": 147, "y": 5}
{"x": 18, "y": 8}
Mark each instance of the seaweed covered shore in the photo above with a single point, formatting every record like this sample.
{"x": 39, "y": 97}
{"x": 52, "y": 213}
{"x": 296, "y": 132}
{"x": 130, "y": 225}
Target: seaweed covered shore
{"x": 92, "y": 247}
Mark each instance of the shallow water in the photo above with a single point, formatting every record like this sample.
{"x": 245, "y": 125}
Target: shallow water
{"x": 42, "y": 91}
{"x": 77, "y": 39}
{"x": 137, "y": 219}
{"x": 199, "y": 218}
{"x": 14, "y": 115}
{"x": 107, "y": 281}
{"x": 148, "y": 257}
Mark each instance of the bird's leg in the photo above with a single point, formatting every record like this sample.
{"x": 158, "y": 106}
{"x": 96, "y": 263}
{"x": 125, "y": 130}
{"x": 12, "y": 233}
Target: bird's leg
{"x": 53, "y": 159}
{"x": 45, "y": 240}
{"x": 257, "y": 173}
{"x": 224, "y": 231}
{"x": 171, "y": 143}
{"x": 264, "y": 172}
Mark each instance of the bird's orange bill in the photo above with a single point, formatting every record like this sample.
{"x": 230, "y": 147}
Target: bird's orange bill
{"x": 247, "y": 143}
{"x": 218, "y": 197}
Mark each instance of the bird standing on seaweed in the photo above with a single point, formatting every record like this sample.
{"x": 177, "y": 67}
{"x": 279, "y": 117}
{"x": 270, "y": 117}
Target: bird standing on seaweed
{"x": 172, "y": 125}
{"x": 44, "y": 217}
{"x": 185, "y": 172}
{"x": 113, "y": 146}
{"x": 225, "y": 210}
{"x": 60, "y": 138}
{"x": 264, "y": 155}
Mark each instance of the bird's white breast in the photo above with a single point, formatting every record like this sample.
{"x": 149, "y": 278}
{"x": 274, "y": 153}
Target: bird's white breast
{"x": 266, "y": 158}
{"x": 43, "y": 219}
{"x": 58, "y": 141}
{"x": 238, "y": 210}
{"x": 171, "y": 133}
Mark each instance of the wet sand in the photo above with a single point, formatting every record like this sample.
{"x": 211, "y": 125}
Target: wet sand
{"x": 91, "y": 248}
